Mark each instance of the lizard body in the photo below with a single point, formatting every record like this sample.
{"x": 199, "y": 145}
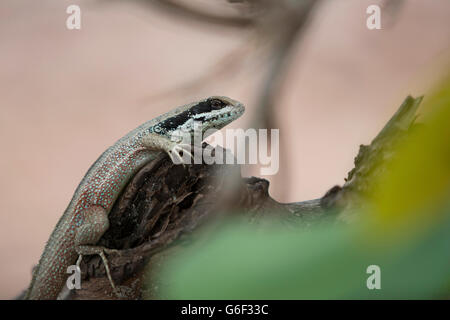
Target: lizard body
{"x": 86, "y": 218}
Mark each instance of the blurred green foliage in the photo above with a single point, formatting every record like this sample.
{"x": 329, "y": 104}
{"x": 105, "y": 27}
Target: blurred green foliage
{"x": 418, "y": 180}
{"x": 406, "y": 232}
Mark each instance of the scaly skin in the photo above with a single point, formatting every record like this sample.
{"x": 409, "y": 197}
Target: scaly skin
{"x": 85, "y": 219}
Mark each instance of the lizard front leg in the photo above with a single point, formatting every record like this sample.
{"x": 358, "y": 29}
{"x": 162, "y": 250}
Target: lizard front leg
{"x": 95, "y": 224}
{"x": 175, "y": 150}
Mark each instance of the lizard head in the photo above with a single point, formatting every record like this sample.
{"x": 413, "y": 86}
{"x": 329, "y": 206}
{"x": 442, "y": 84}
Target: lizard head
{"x": 217, "y": 112}
{"x": 214, "y": 113}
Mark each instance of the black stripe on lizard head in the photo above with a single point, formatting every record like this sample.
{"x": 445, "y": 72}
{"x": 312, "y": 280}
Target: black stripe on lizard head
{"x": 175, "y": 122}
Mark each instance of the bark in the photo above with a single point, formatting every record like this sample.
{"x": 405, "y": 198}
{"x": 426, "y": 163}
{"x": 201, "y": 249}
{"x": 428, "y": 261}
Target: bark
{"x": 165, "y": 205}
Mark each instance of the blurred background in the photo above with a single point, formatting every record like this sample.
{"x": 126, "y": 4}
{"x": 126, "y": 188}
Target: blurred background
{"x": 309, "y": 68}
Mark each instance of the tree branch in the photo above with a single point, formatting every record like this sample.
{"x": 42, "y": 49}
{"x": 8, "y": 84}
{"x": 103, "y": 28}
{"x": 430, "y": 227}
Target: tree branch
{"x": 164, "y": 206}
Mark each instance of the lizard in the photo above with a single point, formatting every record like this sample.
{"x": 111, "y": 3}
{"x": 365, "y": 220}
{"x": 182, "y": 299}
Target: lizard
{"x": 86, "y": 218}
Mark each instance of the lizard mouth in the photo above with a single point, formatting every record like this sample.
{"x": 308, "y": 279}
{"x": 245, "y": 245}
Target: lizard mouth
{"x": 233, "y": 113}
{"x": 228, "y": 115}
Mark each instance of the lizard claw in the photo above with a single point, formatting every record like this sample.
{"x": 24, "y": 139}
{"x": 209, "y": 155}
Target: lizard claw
{"x": 111, "y": 251}
{"x": 177, "y": 150}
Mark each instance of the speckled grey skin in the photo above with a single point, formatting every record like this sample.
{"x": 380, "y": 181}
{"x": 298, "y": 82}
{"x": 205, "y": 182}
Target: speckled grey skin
{"x": 86, "y": 217}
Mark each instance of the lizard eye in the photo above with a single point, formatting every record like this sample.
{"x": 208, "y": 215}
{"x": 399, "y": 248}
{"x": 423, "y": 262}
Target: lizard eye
{"x": 216, "y": 104}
